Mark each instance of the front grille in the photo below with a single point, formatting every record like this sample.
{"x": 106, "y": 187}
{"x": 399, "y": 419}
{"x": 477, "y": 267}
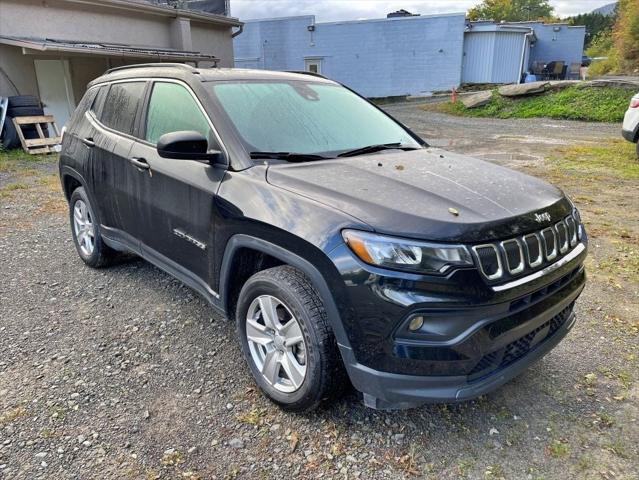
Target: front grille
{"x": 489, "y": 261}
{"x": 522, "y": 255}
{"x": 515, "y": 350}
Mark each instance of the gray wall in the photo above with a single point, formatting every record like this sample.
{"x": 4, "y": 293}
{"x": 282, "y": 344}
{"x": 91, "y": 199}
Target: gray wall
{"x": 378, "y": 58}
{"x": 61, "y": 20}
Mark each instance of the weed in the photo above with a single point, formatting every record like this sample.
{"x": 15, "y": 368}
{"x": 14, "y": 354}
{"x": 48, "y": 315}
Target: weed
{"x": 558, "y": 449}
{"x": 12, "y": 415}
{"x": 252, "y": 417}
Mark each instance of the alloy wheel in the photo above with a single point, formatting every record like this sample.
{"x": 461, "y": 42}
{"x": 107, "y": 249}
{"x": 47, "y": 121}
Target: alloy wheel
{"x": 84, "y": 228}
{"x": 276, "y": 343}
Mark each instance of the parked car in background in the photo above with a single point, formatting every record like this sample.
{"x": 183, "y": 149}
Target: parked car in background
{"x": 630, "y": 129}
{"x": 338, "y": 240}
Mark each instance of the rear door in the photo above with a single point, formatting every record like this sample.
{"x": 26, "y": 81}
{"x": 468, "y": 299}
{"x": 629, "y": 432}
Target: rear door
{"x": 177, "y": 197}
{"x": 116, "y": 181}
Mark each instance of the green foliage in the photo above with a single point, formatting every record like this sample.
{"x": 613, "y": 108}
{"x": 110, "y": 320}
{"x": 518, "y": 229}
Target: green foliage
{"x": 574, "y": 103}
{"x": 511, "y": 10}
{"x": 596, "y": 25}
{"x": 621, "y": 48}
{"x": 627, "y": 35}
{"x": 603, "y": 46}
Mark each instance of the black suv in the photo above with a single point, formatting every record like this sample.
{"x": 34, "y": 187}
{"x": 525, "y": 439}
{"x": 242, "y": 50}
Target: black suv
{"x": 341, "y": 243}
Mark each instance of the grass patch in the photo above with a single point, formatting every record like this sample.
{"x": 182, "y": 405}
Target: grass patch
{"x": 594, "y": 104}
{"x": 612, "y": 158}
{"x": 17, "y": 160}
{"x": 16, "y": 186}
{"x": 558, "y": 449}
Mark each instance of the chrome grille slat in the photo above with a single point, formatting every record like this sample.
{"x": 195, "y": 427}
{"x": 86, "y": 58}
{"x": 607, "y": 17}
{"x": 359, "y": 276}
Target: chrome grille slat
{"x": 535, "y": 240}
{"x": 572, "y": 231}
{"x": 519, "y": 256}
{"x": 562, "y": 237}
{"x": 520, "y": 265}
{"x": 550, "y": 243}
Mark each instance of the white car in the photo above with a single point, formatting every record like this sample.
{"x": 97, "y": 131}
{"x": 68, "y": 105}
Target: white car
{"x": 631, "y": 122}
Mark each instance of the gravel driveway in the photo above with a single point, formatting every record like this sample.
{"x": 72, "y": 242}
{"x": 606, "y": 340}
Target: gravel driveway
{"x": 125, "y": 373}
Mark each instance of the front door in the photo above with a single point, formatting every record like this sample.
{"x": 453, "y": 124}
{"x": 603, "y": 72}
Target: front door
{"x": 177, "y": 198}
{"x": 54, "y": 85}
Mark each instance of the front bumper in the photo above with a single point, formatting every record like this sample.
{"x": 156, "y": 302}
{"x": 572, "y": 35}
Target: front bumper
{"x": 629, "y": 135}
{"x": 474, "y": 339}
{"x": 384, "y": 390}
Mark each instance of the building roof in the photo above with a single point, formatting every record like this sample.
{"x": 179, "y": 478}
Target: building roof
{"x": 105, "y": 49}
{"x": 162, "y": 10}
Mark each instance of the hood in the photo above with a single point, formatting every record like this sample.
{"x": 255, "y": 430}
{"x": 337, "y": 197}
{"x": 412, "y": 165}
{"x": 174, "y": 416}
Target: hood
{"x": 428, "y": 194}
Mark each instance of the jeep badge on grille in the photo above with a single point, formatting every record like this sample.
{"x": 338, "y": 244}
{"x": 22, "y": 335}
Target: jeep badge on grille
{"x": 542, "y": 217}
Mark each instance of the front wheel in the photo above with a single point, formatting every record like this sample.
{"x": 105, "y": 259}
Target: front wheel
{"x": 286, "y": 339}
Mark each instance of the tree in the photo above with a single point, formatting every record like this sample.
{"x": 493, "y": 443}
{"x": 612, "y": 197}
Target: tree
{"x": 596, "y": 24}
{"x": 627, "y": 35}
{"x": 619, "y": 48}
{"x": 511, "y": 10}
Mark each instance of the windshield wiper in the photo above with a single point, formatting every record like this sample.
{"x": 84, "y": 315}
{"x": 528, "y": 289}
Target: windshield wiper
{"x": 288, "y": 156}
{"x": 377, "y": 148}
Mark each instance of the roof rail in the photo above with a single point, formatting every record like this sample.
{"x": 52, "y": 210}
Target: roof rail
{"x": 145, "y": 65}
{"x": 304, "y": 72}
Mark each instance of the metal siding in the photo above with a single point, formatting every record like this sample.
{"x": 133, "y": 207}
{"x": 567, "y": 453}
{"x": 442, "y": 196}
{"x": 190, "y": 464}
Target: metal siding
{"x": 478, "y": 57}
{"x": 507, "y": 59}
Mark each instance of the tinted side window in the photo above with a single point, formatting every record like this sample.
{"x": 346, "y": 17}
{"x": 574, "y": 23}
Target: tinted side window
{"x": 99, "y": 99}
{"x": 172, "y": 109}
{"x": 82, "y": 107}
{"x": 121, "y": 105}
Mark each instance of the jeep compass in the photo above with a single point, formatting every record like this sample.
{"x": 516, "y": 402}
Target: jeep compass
{"x": 343, "y": 246}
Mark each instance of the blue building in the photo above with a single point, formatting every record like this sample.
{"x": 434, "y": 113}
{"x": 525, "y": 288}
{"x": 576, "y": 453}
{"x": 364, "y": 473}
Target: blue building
{"x": 409, "y": 55}
{"x": 378, "y": 58}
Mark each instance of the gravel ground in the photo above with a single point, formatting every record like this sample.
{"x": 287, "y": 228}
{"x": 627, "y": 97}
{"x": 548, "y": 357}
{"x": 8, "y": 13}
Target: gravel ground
{"x": 125, "y": 373}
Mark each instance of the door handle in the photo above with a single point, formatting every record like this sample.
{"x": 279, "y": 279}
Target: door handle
{"x": 88, "y": 142}
{"x": 139, "y": 163}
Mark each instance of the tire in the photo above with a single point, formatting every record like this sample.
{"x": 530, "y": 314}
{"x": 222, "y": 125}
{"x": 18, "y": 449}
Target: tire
{"x": 324, "y": 374}
{"x": 24, "y": 111}
{"x": 100, "y": 255}
{"x": 9, "y": 135}
{"x": 24, "y": 101}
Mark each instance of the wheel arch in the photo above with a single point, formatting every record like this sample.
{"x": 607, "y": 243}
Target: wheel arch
{"x": 71, "y": 180}
{"x": 241, "y": 241}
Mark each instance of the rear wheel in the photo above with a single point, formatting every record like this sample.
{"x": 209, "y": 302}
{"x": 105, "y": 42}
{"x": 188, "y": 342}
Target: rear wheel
{"x": 85, "y": 230}
{"x": 287, "y": 341}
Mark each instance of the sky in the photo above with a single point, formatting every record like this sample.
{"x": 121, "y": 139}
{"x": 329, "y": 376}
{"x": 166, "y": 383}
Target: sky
{"x": 333, "y": 10}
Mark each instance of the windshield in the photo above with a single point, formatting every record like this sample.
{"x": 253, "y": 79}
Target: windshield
{"x": 305, "y": 118}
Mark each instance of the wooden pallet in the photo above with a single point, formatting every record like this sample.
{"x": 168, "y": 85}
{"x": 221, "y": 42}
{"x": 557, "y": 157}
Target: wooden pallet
{"x": 43, "y": 144}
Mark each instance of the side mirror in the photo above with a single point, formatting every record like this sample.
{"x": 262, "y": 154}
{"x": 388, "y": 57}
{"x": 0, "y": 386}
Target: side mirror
{"x": 187, "y": 145}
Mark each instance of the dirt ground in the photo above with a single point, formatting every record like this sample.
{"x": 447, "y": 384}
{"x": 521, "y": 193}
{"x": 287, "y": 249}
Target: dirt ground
{"x": 125, "y": 373}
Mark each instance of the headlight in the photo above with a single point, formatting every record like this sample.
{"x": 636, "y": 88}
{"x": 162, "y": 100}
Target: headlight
{"x": 401, "y": 254}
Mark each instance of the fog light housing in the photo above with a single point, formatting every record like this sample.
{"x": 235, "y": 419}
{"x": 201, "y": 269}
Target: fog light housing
{"x": 416, "y": 323}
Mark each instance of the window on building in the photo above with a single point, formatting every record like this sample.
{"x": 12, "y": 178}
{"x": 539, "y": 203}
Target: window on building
{"x": 172, "y": 109}
{"x": 314, "y": 65}
{"x": 121, "y": 105}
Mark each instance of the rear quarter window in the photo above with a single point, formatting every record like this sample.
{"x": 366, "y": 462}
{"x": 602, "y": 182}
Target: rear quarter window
{"x": 83, "y": 106}
{"x": 121, "y": 105}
